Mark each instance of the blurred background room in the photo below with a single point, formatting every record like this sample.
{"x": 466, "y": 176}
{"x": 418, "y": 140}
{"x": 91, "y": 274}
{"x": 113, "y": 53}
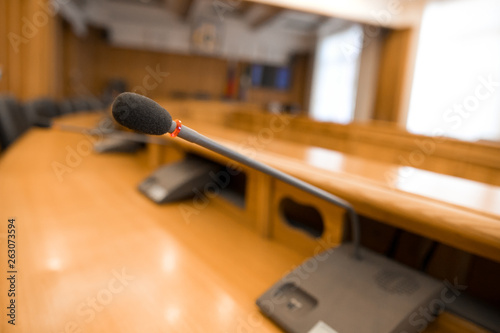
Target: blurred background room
{"x": 392, "y": 105}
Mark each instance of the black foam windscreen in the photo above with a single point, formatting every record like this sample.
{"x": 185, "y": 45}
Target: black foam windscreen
{"x": 141, "y": 114}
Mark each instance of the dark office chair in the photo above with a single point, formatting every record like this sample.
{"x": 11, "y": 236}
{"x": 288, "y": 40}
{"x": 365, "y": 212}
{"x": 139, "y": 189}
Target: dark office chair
{"x": 13, "y": 121}
{"x": 86, "y": 104}
{"x": 79, "y": 104}
{"x": 41, "y": 109}
{"x": 66, "y": 107}
{"x": 94, "y": 104}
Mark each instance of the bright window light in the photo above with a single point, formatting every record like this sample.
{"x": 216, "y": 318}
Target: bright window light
{"x": 456, "y": 87}
{"x": 336, "y": 76}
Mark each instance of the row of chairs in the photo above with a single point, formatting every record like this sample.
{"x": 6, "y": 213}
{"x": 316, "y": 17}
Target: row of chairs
{"x": 16, "y": 118}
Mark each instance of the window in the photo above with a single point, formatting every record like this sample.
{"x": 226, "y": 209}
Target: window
{"x": 335, "y": 77}
{"x": 456, "y": 87}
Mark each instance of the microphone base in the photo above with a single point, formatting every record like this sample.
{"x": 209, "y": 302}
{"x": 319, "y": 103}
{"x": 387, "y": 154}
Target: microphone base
{"x": 178, "y": 181}
{"x": 333, "y": 292}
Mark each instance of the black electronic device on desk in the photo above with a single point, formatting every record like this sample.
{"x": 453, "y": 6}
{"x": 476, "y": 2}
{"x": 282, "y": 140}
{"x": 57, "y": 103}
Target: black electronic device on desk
{"x": 333, "y": 292}
{"x": 179, "y": 180}
{"x": 111, "y": 144}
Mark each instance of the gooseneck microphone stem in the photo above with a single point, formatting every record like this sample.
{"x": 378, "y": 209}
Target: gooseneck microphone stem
{"x": 192, "y": 136}
{"x": 144, "y": 115}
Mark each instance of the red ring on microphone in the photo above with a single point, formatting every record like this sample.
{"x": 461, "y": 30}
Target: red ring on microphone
{"x": 177, "y": 129}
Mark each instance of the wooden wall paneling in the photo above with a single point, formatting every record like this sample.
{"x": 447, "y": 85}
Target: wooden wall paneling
{"x": 33, "y": 66}
{"x": 15, "y": 68}
{"x": 81, "y": 68}
{"x": 4, "y": 47}
{"x": 194, "y": 74}
{"x": 298, "y": 240}
{"x": 188, "y": 74}
{"x": 33, "y": 56}
{"x": 299, "y": 87}
{"x": 266, "y": 95}
{"x": 368, "y": 73}
{"x": 32, "y": 52}
{"x": 58, "y": 58}
{"x": 391, "y": 77}
{"x": 412, "y": 45}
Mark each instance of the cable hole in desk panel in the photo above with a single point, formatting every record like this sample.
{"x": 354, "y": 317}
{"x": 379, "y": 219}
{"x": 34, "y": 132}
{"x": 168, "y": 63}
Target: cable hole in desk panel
{"x": 305, "y": 218}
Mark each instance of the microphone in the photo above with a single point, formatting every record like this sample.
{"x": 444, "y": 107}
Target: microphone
{"x": 342, "y": 287}
{"x": 143, "y": 115}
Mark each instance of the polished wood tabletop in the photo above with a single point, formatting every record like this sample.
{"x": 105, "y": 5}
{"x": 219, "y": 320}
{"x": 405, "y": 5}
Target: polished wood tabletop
{"x": 461, "y": 213}
{"x": 458, "y": 212}
{"x": 94, "y": 255}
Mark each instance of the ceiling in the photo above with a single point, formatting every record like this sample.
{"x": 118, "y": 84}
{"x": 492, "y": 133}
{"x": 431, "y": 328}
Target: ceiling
{"x": 256, "y": 15}
{"x": 245, "y": 30}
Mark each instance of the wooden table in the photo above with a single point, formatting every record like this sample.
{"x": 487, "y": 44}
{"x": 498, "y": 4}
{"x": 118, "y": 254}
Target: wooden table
{"x": 94, "y": 255}
{"x": 458, "y": 212}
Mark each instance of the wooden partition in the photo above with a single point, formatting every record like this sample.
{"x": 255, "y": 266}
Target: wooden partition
{"x": 303, "y": 222}
{"x": 379, "y": 141}
{"x": 479, "y": 161}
